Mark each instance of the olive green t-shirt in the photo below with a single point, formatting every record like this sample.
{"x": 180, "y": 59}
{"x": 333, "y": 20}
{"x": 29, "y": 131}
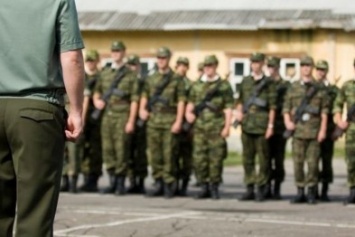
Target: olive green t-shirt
{"x": 33, "y": 36}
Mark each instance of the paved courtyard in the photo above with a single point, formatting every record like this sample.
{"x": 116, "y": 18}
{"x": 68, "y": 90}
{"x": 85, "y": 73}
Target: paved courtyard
{"x": 95, "y": 215}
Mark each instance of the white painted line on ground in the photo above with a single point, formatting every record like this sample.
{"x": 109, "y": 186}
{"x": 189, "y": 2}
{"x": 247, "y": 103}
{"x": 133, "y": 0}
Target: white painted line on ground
{"x": 118, "y": 223}
{"x": 115, "y": 213}
{"x": 67, "y": 235}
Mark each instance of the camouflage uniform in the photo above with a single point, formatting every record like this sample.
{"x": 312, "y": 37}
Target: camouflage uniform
{"x": 161, "y": 142}
{"x": 327, "y": 146}
{"x": 346, "y": 95}
{"x": 305, "y": 145}
{"x": 277, "y": 153}
{"x": 115, "y": 141}
{"x": 184, "y": 150}
{"x": 254, "y": 126}
{"x": 138, "y": 162}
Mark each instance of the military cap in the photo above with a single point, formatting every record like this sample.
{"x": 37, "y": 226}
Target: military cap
{"x": 183, "y": 60}
{"x": 307, "y": 60}
{"x": 322, "y": 64}
{"x": 92, "y": 55}
{"x": 117, "y": 46}
{"x": 210, "y": 59}
{"x": 133, "y": 59}
{"x": 200, "y": 66}
{"x": 164, "y": 52}
{"x": 257, "y": 57}
{"x": 273, "y": 61}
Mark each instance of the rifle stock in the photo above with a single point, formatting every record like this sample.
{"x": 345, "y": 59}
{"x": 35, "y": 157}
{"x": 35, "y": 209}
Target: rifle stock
{"x": 338, "y": 132}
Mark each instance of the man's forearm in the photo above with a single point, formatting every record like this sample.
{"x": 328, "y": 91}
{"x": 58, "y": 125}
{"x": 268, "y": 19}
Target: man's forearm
{"x": 227, "y": 118}
{"x": 324, "y": 120}
{"x": 73, "y": 74}
{"x": 180, "y": 112}
{"x": 143, "y": 103}
{"x": 133, "y": 112}
{"x": 271, "y": 116}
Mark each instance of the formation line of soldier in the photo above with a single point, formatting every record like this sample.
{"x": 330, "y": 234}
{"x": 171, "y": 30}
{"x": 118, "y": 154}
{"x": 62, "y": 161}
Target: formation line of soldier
{"x": 183, "y": 124}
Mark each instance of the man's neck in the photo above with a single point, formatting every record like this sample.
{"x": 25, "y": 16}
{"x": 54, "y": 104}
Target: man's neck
{"x": 276, "y": 77}
{"x": 91, "y": 72}
{"x": 164, "y": 70}
{"x": 117, "y": 64}
{"x": 257, "y": 75}
{"x": 306, "y": 78}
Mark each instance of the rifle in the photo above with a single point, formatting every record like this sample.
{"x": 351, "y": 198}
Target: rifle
{"x": 112, "y": 90}
{"x": 156, "y": 96}
{"x": 205, "y": 103}
{"x": 253, "y": 100}
{"x": 301, "y": 109}
{"x": 338, "y": 132}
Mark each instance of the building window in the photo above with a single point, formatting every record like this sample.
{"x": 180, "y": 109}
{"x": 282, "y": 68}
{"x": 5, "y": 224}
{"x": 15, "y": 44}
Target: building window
{"x": 147, "y": 65}
{"x": 290, "y": 68}
{"x": 238, "y": 68}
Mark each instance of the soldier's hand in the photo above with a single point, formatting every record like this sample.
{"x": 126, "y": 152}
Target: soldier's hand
{"x": 190, "y": 117}
{"x": 321, "y": 136}
{"x": 343, "y": 125}
{"x": 129, "y": 128}
{"x": 99, "y": 104}
{"x": 74, "y": 126}
{"x": 269, "y": 133}
{"x": 176, "y": 128}
{"x": 225, "y": 132}
{"x": 144, "y": 114}
{"x": 290, "y": 126}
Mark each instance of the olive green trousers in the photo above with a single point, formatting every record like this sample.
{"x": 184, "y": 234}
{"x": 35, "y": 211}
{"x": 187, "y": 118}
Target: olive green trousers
{"x": 31, "y": 158}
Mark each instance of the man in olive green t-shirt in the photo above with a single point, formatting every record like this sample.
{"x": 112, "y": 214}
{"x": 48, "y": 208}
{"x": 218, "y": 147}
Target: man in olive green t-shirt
{"x": 45, "y": 43}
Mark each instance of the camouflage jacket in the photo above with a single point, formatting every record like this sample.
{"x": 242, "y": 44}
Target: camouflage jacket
{"x": 307, "y": 128}
{"x": 346, "y": 95}
{"x": 118, "y": 102}
{"x": 208, "y": 120}
{"x": 281, "y": 90}
{"x": 255, "y": 121}
{"x": 164, "y": 115}
{"x": 331, "y": 91}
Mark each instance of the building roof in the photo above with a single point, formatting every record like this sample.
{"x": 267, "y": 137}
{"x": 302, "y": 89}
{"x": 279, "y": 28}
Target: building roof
{"x": 173, "y": 15}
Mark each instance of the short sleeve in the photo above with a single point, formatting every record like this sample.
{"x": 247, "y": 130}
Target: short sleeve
{"x": 98, "y": 86}
{"x": 286, "y": 108}
{"x": 192, "y": 95}
{"x": 272, "y": 95}
{"x": 181, "y": 93}
{"x": 325, "y": 102}
{"x": 228, "y": 96}
{"x": 146, "y": 88}
{"x": 339, "y": 100}
{"x": 135, "y": 88}
{"x": 68, "y": 32}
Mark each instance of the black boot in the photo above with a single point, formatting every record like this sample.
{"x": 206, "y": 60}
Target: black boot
{"x": 73, "y": 181}
{"x": 140, "y": 186}
{"x": 277, "y": 191}
{"x": 324, "y": 195}
{"x": 351, "y": 198}
{"x": 158, "y": 188}
{"x": 133, "y": 188}
{"x": 261, "y": 194}
{"x": 113, "y": 183}
{"x": 183, "y": 189}
{"x": 268, "y": 193}
{"x": 64, "y": 187}
{"x": 120, "y": 188}
{"x": 169, "y": 190}
{"x": 300, "y": 197}
{"x": 215, "y": 191}
{"x": 249, "y": 194}
{"x": 205, "y": 191}
{"x": 90, "y": 183}
{"x": 311, "y": 195}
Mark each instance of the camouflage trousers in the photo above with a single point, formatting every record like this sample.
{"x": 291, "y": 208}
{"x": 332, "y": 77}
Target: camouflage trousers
{"x": 184, "y": 156}
{"x": 305, "y": 150}
{"x": 350, "y": 156}
{"x": 277, "y": 149}
{"x": 138, "y": 161}
{"x": 92, "y": 158}
{"x": 209, "y": 152}
{"x": 326, "y": 158}
{"x": 255, "y": 145}
{"x": 73, "y": 154}
{"x": 115, "y": 142}
{"x": 162, "y": 146}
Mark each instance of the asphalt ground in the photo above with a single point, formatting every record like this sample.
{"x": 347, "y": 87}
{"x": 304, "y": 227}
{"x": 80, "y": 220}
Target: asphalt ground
{"x": 96, "y": 215}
